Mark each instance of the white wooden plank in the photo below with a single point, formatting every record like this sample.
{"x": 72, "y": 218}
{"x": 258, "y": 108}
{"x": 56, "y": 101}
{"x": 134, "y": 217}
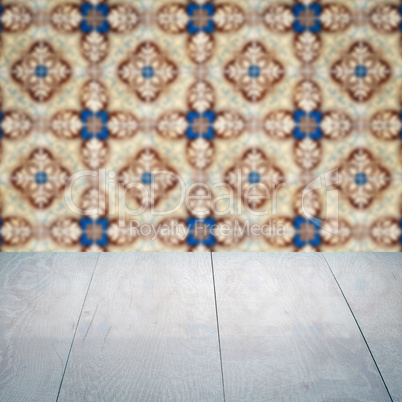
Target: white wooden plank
{"x": 372, "y": 284}
{"x": 287, "y": 333}
{"x": 148, "y": 332}
{"x": 41, "y": 296}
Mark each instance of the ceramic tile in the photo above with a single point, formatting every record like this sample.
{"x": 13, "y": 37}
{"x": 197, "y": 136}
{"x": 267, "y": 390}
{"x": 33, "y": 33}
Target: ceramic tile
{"x": 123, "y": 117}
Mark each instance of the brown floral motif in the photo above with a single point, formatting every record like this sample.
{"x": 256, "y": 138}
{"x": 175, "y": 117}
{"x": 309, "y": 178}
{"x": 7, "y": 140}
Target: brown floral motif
{"x": 256, "y": 176}
{"x": 14, "y": 18}
{"x": 361, "y": 71}
{"x": 40, "y": 177}
{"x": 386, "y": 17}
{"x": 15, "y": 231}
{"x": 254, "y": 71}
{"x": 147, "y": 71}
{"x": 14, "y": 124}
{"x": 362, "y": 178}
{"x": 386, "y": 232}
{"x": 147, "y": 178}
{"x": 386, "y": 125}
{"x": 41, "y": 71}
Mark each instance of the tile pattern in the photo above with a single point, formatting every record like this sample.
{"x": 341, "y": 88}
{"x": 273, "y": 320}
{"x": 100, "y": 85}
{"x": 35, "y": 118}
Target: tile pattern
{"x": 200, "y": 125}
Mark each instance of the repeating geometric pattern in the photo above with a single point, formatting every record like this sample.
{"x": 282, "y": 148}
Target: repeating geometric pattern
{"x": 198, "y": 125}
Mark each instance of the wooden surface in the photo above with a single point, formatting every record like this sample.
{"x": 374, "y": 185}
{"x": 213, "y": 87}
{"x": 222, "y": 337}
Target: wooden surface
{"x": 41, "y": 296}
{"x": 143, "y": 327}
{"x": 148, "y": 332}
{"x": 372, "y": 284}
{"x": 286, "y": 332}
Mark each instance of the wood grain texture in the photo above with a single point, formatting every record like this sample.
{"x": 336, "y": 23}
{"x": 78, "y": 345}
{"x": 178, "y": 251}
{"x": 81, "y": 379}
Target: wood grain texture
{"x": 372, "y": 284}
{"x": 287, "y": 333}
{"x": 148, "y": 332}
{"x": 41, "y": 296}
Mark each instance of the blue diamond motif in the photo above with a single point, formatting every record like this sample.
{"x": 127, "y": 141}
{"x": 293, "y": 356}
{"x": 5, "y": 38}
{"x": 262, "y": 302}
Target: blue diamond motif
{"x": 361, "y": 179}
{"x": 254, "y": 71}
{"x": 147, "y": 178}
{"x": 148, "y": 72}
{"x": 41, "y": 71}
{"x": 41, "y": 178}
{"x": 254, "y": 178}
{"x": 360, "y": 71}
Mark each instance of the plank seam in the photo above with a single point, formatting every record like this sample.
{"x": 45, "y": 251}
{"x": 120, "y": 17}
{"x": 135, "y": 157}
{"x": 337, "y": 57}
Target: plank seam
{"x": 358, "y": 326}
{"x": 76, "y": 327}
{"x": 217, "y": 326}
